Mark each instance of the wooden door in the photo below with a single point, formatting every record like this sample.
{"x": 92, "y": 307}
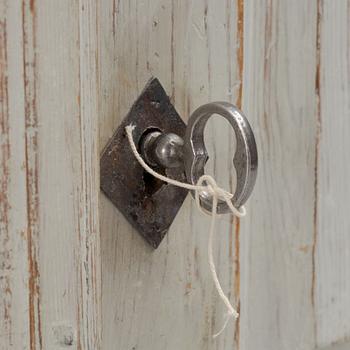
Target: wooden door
{"x": 74, "y": 274}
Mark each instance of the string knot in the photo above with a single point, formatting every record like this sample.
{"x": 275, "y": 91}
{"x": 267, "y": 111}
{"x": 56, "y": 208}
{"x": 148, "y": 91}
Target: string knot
{"x": 205, "y": 183}
{"x": 211, "y": 187}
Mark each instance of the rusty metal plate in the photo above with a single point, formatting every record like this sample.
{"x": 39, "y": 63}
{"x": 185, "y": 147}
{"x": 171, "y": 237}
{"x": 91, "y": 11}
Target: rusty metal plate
{"x": 149, "y": 204}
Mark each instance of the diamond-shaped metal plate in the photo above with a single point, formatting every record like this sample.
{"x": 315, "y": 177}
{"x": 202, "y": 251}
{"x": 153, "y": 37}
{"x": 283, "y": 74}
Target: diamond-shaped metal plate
{"x": 148, "y": 204}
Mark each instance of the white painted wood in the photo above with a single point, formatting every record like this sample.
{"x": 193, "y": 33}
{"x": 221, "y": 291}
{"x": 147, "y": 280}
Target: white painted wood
{"x": 14, "y": 291}
{"x": 50, "y": 256}
{"x": 277, "y": 237}
{"x": 332, "y": 274}
{"x": 69, "y": 72}
{"x": 165, "y": 299}
{"x": 342, "y": 346}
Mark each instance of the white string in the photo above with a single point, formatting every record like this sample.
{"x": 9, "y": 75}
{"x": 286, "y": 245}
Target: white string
{"x": 216, "y": 193}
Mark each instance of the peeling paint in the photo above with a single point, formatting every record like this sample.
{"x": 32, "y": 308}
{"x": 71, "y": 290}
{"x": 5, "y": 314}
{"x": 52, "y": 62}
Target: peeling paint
{"x": 31, "y": 159}
{"x": 317, "y": 158}
{"x": 5, "y": 154}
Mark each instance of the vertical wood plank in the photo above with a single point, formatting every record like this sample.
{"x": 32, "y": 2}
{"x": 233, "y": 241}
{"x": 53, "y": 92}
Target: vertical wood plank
{"x": 60, "y": 169}
{"x": 14, "y": 291}
{"x": 332, "y": 257}
{"x": 68, "y": 178}
{"x": 32, "y": 169}
{"x": 50, "y": 270}
{"x": 89, "y": 297}
{"x": 280, "y": 97}
{"x": 165, "y": 299}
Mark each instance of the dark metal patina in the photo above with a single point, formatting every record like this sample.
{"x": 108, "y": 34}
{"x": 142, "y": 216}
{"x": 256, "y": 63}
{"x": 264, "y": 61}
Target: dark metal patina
{"x": 149, "y": 204}
{"x": 173, "y": 150}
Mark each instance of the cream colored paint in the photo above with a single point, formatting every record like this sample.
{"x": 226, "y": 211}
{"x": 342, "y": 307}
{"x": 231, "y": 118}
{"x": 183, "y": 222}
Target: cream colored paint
{"x": 74, "y": 274}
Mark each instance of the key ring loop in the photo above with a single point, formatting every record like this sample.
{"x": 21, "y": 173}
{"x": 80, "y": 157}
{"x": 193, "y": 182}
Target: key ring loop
{"x": 245, "y": 159}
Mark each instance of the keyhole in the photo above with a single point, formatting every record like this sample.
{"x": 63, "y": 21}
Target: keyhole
{"x": 152, "y": 184}
{"x": 220, "y": 142}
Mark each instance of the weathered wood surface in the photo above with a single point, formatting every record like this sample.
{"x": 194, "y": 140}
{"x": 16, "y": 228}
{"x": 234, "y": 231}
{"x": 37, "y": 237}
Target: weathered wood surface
{"x": 50, "y": 270}
{"x": 69, "y": 71}
{"x": 332, "y": 253}
{"x": 165, "y": 299}
{"x": 279, "y": 96}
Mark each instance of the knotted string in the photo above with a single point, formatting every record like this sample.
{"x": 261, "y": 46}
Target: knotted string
{"x": 217, "y": 193}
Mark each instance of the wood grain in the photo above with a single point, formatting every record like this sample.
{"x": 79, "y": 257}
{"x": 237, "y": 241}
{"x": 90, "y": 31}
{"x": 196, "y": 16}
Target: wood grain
{"x": 165, "y": 299}
{"x": 69, "y": 244}
{"x": 32, "y": 169}
{"x": 332, "y": 283}
{"x": 50, "y": 271}
{"x": 69, "y": 72}
{"x": 17, "y": 292}
{"x": 280, "y": 55}
{"x": 89, "y": 254}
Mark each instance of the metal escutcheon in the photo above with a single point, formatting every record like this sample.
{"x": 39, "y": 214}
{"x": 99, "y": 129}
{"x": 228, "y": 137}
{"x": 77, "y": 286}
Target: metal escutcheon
{"x": 173, "y": 149}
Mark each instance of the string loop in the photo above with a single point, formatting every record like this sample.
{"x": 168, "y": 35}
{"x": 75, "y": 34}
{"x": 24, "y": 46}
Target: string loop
{"x": 208, "y": 184}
